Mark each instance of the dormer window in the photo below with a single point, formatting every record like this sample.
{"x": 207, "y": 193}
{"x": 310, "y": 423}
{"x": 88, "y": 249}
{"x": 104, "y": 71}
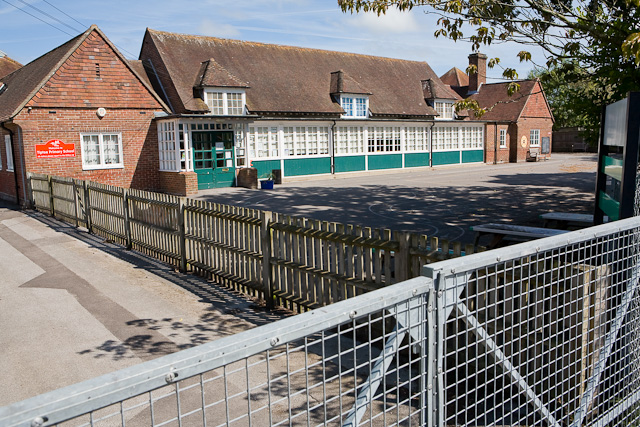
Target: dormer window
{"x": 223, "y": 102}
{"x": 444, "y": 110}
{"x": 355, "y": 107}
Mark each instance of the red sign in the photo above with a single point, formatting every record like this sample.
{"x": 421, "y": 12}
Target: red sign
{"x": 55, "y": 148}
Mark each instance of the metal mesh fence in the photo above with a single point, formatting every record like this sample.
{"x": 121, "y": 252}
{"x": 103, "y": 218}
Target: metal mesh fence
{"x": 542, "y": 334}
{"x": 334, "y": 366}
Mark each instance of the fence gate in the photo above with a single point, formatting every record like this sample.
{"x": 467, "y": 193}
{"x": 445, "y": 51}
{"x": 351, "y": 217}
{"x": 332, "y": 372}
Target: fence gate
{"x": 546, "y": 336}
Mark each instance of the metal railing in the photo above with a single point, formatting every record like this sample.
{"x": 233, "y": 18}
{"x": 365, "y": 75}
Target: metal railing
{"x": 544, "y": 333}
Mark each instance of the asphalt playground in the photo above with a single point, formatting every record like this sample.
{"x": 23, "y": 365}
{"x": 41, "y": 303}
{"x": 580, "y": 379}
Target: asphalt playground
{"x": 443, "y": 201}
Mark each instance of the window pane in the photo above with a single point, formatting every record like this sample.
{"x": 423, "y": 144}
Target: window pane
{"x": 234, "y": 104}
{"x": 91, "y": 147}
{"x": 347, "y": 105}
{"x": 361, "y": 107}
{"x": 215, "y": 102}
{"x": 111, "y": 149}
{"x": 288, "y": 141}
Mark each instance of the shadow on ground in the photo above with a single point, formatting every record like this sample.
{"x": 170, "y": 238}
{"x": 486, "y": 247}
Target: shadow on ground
{"x": 443, "y": 211}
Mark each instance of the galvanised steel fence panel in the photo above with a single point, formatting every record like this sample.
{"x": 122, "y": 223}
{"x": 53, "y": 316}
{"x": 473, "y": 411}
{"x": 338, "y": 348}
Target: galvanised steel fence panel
{"x": 363, "y": 361}
{"x": 544, "y": 333}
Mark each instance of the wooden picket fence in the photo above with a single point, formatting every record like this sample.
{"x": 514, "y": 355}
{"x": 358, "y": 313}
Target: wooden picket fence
{"x": 298, "y": 263}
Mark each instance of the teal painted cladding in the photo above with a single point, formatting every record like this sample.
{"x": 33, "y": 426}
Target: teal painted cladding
{"x": 412, "y": 160}
{"x": 474, "y": 156}
{"x": 265, "y": 167}
{"x": 446, "y": 158}
{"x": 349, "y": 164}
{"x": 295, "y": 167}
{"x": 385, "y": 161}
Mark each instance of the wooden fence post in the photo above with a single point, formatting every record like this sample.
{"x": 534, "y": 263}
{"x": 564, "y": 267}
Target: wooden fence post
{"x": 87, "y": 206}
{"x": 75, "y": 201}
{"x": 265, "y": 244}
{"x": 403, "y": 257}
{"x": 183, "y": 238}
{"x": 127, "y": 224}
{"x": 51, "y": 208}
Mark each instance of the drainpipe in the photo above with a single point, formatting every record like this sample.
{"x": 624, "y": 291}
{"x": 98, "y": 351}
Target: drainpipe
{"x": 333, "y": 148}
{"x": 495, "y": 143}
{"x": 431, "y": 144}
{"x": 15, "y": 164}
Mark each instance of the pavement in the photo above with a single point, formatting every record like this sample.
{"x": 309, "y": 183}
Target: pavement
{"x": 443, "y": 201}
{"x": 74, "y": 306}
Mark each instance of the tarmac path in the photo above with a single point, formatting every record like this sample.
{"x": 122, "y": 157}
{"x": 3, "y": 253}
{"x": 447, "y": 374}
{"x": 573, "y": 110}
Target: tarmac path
{"x": 73, "y": 306}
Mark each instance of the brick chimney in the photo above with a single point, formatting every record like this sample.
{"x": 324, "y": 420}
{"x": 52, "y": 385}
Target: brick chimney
{"x": 480, "y": 77}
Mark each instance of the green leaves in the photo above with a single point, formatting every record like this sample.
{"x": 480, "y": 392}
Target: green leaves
{"x": 591, "y": 47}
{"x": 524, "y": 56}
{"x": 631, "y": 48}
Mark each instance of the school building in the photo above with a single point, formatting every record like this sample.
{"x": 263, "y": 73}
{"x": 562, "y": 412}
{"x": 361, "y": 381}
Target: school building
{"x": 194, "y": 110}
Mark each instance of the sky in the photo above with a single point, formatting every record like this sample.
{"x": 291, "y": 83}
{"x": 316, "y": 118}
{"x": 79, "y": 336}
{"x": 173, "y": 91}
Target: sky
{"x": 31, "y": 28}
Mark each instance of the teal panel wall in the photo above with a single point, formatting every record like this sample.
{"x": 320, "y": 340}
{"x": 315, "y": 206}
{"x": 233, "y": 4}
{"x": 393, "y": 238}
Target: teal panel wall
{"x": 349, "y": 164}
{"x": 295, "y": 167}
{"x": 446, "y": 158}
{"x": 385, "y": 161}
{"x": 473, "y": 156}
{"x": 412, "y": 160}
{"x": 265, "y": 167}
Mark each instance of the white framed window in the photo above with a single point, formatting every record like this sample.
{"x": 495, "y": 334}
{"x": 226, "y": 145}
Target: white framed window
{"x": 240, "y": 145}
{"x": 384, "y": 139}
{"x": 8, "y": 150}
{"x": 534, "y": 138}
{"x": 416, "y": 139}
{"x": 503, "y": 138}
{"x": 444, "y": 110}
{"x": 355, "y": 107}
{"x": 101, "y": 150}
{"x": 167, "y": 147}
{"x": 350, "y": 140}
{"x": 225, "y": 102}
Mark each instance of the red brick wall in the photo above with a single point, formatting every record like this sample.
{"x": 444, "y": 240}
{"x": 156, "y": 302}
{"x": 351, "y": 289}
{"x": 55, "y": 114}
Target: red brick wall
{"x": 180, "y": 183}
{"x": 492, "y": 140}
{"x": 536, "y": 115}
{"x": 67, "y": 104}
{"x": 139, "y": 144}
{"x": 7, "y": 179}
{"x": 80, "y": 83}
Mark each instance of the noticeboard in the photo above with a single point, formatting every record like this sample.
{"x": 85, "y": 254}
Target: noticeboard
{"x": 618, "y": 160}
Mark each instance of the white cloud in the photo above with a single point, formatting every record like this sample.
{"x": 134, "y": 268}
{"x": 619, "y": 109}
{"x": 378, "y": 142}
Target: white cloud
{"x": 394, "y": 21}
{"x": 216, "y": 29}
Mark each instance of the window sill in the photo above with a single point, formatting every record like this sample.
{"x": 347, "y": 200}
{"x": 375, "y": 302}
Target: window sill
{"x": 101, "y": 167}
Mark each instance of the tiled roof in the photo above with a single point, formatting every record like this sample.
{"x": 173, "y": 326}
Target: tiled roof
{"x": 341, "y": 82}
{"x": 24, "y": 83}
{"x": 284, "y": 79}
{"x": 503, "y": 107}
{"x": 455, "y": 77}
{"x": 7, "y": 65}
{"x": 213, "y": 74}
{"x": 435, "y": 89}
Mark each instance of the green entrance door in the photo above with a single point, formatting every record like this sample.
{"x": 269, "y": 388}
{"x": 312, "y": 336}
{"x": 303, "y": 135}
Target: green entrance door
{"x": 213, "y": 159}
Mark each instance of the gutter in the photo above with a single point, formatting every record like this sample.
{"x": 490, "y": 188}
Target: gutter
{"x": 13, "y": 158}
